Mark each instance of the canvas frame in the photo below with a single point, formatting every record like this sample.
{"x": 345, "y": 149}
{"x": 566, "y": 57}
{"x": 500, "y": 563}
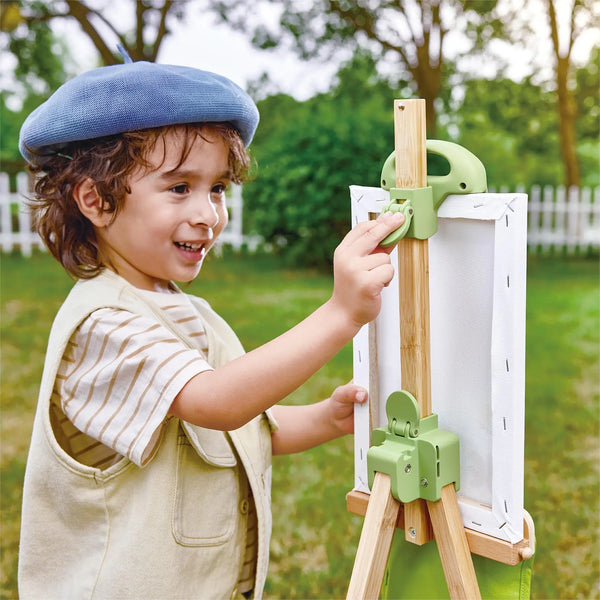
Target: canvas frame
{"x": 477, "y": 266}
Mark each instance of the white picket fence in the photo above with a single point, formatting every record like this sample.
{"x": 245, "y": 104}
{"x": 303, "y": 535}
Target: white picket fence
{"x": 560, "y": 220}
{"x": 13, "y": 208}
{"x": 15, "y": 220}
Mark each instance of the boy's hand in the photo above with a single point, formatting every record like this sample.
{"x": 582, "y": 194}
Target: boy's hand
{"x": 341, "y": 406}
{"x": 307, "y": 426}
{"x": 362, "y": 268}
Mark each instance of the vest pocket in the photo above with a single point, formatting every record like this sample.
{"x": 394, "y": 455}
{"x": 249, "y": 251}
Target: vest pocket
{"x": 204, "y": 511}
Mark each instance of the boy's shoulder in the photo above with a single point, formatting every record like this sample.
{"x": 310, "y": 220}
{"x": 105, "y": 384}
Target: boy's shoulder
{"x": 109, "y": 290}
{"x": 104, "y": 290}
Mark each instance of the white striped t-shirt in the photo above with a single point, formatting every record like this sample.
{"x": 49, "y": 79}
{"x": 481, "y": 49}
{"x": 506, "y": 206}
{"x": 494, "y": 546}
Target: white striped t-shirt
{"x": 118, "y": 378}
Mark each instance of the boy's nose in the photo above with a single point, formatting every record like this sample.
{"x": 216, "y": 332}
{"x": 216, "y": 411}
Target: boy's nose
{"x": 204, "y": 212}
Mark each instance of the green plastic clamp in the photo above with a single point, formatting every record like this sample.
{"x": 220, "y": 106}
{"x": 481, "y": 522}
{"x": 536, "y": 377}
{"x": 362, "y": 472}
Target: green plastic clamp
{"x": 406, "y": 208}
{"x": 467, "y": 176}
{"x": 419, "y": 458}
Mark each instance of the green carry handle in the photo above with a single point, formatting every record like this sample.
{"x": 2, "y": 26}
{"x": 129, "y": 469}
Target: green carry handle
{"x": 467, "y": 176}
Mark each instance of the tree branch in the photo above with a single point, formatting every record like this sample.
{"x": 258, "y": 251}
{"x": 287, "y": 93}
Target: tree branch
{"x": 80, "y": 12}
{"x": 572, "y": 27}
{"x": 162, "y": 28}
{"x": 553, "y": 27}
{"x": 369, "y": 31}
{"x": 140, "y": 10}
{"x": 418, "y": 38}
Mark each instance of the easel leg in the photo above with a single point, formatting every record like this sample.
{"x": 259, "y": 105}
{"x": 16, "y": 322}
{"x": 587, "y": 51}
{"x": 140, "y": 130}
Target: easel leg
{"x": 375, "y": 541}
{"x": 452, "y": 545}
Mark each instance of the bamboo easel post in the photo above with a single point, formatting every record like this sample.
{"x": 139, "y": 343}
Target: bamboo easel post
{"x": 383, "y": 510}
{"x": 413, "y": 279}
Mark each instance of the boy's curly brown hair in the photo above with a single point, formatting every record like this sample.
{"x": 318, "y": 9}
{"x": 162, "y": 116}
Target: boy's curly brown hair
{"x": 108, "y": 161}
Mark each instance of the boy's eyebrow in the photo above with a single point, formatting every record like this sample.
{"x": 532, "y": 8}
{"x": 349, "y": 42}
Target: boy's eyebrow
{"x": 187, "y": 173}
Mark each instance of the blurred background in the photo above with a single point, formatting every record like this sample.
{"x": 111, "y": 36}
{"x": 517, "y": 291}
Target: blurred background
{"x": 517, "y": 82}
{"x": 514, "y": 81}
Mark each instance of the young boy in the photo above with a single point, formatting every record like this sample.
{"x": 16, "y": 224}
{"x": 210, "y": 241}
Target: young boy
{"x": 149, "y": 469}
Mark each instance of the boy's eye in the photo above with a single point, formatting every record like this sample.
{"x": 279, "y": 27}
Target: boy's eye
{"x": 181, "y": 188}
{"x": 219, "y": 189}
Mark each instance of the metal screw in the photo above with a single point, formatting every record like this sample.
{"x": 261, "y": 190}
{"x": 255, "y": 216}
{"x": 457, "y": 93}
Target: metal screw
{"x": 413, "y": 532}
{"x": 424, "y": 482}
{"x": 401, "y": 106}
{"x": 408, "y": 468}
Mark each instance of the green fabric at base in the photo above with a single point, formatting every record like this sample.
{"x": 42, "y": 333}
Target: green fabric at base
{"x": 415, "y": 573}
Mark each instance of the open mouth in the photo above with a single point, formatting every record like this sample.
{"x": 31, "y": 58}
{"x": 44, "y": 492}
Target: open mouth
{"x": 189, "y": 247}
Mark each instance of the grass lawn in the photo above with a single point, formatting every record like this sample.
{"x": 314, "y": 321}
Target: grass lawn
{"x": 314, "y": 538}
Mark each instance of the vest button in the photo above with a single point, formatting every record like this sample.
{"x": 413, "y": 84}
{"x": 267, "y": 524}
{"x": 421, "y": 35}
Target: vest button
{"x": 244, "y": 506}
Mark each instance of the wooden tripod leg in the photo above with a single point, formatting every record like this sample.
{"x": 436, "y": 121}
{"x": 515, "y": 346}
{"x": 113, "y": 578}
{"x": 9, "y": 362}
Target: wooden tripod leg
{"x": 375, "y": 541}
{"x": 452, "y": 545}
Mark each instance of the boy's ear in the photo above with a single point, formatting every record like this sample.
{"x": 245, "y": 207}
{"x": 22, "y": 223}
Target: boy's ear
{"x": 90, "y": 203}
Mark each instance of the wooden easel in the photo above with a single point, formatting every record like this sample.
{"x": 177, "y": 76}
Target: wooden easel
{"x": 421, "y": 520}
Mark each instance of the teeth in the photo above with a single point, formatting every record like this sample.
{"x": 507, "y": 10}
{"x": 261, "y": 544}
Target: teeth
{"x": 187, "y": 246}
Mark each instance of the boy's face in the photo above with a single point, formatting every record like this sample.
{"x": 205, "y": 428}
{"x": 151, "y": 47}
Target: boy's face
{"x": 173, "y": 215}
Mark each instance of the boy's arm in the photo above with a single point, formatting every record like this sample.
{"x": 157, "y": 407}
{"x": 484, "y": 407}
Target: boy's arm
{"x": 233, "y": 394}
{"x": 304, "y": 427}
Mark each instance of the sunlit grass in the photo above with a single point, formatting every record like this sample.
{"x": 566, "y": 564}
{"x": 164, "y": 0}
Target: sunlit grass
{"x": 315, "y": 539}
{"x": 562, "y": 483}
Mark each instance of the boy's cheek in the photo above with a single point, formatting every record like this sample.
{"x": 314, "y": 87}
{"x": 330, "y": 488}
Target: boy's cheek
{"x": 223, "y": 220}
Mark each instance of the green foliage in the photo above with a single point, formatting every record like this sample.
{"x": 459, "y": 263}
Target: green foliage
{"x": 587, "y": 99}
{"x": 588, "y": 154}
{"x": 308, "y": 154}
{"x": 42, "y": 65}
{"x": 41, "y": 56}
{"x": 513, "y": 128}
{"x": 10, "y": 124}
{"x": 399, "y": 32}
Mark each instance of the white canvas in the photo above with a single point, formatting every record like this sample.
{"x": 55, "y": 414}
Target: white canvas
{"x": 477, "y": 274}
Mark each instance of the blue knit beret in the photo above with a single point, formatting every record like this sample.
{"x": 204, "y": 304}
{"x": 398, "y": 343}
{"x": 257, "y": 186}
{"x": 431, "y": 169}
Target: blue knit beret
{"x": 133, "y": 96}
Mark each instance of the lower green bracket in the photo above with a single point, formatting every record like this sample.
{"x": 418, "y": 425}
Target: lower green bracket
{"x": 419, "y": 458}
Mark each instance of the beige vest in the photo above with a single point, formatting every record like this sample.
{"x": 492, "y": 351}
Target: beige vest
{"x": 168, "y": 530}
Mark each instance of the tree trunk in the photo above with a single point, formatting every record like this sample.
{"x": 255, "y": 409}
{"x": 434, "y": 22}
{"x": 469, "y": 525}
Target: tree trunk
{"x": 428, "y": 80}
{"x": 567, "y": 114}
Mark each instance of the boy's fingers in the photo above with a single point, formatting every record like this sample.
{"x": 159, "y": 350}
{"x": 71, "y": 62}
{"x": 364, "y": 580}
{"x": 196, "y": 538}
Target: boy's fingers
{"x": 384, "y": 222}
{"x": 351, "y": 393}
{"x": 387, "y": 250}
{"x": 360, "y": 396}
{"x": 375, "y": 259}
{"x": 366, "y": 237}
{"x": 382, "y": 275}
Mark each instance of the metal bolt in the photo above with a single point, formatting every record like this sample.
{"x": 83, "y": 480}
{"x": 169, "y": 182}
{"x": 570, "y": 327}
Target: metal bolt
{"x": 408, "y": 468}
{"x": 424, "y": 482}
